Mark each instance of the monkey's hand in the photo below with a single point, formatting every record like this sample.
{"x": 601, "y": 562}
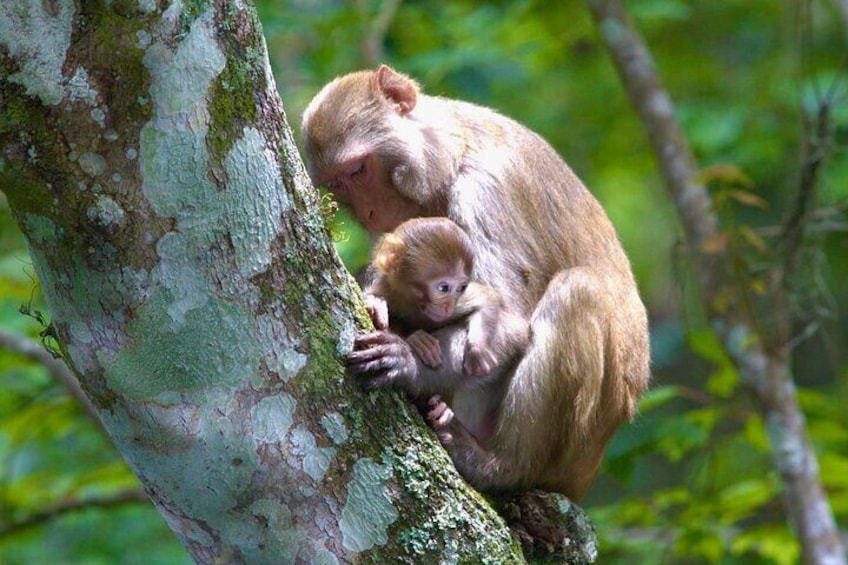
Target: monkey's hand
{"x": 440, "y": 416}
{"x": 427, "y": 348}
{"x": 378, "y": 310}
{"x": 381, "y": 358}
{"x": 479, "y": 360}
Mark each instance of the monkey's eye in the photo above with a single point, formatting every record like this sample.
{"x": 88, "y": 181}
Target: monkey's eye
{"x": 337, "y": 187}
{"x": 359, "y": 169}
{"x": 443, "y": 288}
{"x": 462, "y": 288}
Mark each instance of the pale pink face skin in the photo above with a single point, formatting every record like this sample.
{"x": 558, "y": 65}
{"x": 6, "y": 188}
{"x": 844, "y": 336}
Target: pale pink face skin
{"x": 437, "y": 298}
{"x": 362, "y": 184}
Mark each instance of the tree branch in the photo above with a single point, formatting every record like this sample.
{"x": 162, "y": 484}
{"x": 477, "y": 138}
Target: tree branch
{"x": 72, "y": 505}
{"x": 766, "y": 371}
{"x": 815, "y": 146}
{"x": 372, "y": 44}
{"x": 60, "y": 373}
{"x": 842, "y": 5}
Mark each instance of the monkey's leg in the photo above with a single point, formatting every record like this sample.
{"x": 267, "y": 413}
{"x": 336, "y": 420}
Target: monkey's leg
{"x": 563, "y": 401}
{"x": 576, "y": 368}
{"x": 478, "y": 465}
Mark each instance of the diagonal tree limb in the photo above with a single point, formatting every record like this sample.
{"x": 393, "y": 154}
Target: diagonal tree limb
{"x": 60, "y": 373}
{"x": 766, "y": 370}
{"x": 72, "y": 505}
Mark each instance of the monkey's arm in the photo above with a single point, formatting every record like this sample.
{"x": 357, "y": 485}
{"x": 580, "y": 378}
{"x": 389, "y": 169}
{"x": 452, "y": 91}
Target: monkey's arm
{"x": 485, "y": 305}
{"x": 383, "y": 358}
{"x": 495, "y": 333}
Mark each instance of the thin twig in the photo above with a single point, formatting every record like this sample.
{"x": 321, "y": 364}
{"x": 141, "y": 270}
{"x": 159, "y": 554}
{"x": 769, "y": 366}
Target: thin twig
{"x": 73, "y": 505}
{"x": 60, "y": 373}
{"x": 372, "y": 44}
{"x": 814, "y": 154}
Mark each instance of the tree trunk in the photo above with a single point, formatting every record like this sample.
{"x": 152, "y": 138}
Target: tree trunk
{"x": 194, "y": 292}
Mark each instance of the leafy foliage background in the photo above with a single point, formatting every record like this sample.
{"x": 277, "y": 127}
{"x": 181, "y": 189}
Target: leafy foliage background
{"x": 691, "y": 480}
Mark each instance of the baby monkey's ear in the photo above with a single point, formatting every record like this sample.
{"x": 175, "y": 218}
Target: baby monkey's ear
{"x": 389, "y": 253}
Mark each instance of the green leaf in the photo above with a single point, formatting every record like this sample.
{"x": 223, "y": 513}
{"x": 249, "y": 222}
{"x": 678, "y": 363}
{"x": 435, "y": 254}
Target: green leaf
{"x": 707, "y": 345}
{"x": 743, "y": 499}
{"x": 724, "y": 174}
{"x": 770, "y": 542}
{"x": 755, "y": 433}
{"x": 724, "y": 382}
{"x": 834, "y": 470}
{"x": 656, "y": 397}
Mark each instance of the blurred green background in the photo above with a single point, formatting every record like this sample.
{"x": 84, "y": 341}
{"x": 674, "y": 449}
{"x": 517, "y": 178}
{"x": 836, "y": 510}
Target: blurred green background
{"x": 691, "y": 481}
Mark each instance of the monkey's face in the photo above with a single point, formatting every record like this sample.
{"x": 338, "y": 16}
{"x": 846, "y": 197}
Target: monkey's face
{"x": 363, "y": 185}
{"x": 437, "y": 297}
{"x": 347, "y": 136}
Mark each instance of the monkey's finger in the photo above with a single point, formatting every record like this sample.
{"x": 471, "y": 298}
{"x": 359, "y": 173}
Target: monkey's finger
{"x": 378, "y": 310}
{"x": 427, "y": 347}
{"x": 436, "y": 413}
{"x": 373, "y": 374}
{"x": 361, "y": 355}
{"x": 434, "y": 350}
{"x": 374, "y": 338}
{"x": 445, "y": 418}
{"x": 380, "y": 321}
{"x": 440, "y": 413}
{"x": 441, "y": 416}
{"x": 379, "y": 317}
{"x": 374, "y": 345}
{"x": 382, "y": 364}
{"x": 478, "y": 365}
{"x": 370, "y": 361}
{"x": 472, "y": 367}
{"x": 426, "y": 356}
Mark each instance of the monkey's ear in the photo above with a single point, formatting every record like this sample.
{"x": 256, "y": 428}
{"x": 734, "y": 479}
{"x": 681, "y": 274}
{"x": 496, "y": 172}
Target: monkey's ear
{"x": 400, "y": 89}
{"x": 389, "y": 253}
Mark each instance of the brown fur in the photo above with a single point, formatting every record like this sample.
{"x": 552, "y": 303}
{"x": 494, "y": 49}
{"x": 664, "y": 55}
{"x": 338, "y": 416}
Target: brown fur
{"x": 421, "y": 252}
{"x": 539, "y": 238}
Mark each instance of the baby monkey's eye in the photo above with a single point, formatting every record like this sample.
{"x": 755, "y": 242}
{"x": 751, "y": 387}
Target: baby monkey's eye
{"x": 462, "y": 288}
{"x": 443, "y": 287}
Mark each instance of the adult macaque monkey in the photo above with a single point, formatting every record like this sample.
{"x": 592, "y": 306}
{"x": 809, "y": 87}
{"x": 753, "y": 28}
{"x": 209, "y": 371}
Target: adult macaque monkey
{"x": 540, "y": 238}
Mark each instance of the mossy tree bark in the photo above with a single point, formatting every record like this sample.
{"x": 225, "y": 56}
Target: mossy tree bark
{"x": 194, "y": 292}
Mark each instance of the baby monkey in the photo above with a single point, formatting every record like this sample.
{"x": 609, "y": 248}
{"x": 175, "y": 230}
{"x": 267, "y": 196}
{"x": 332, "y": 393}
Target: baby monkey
{"x": 423, "y": 283}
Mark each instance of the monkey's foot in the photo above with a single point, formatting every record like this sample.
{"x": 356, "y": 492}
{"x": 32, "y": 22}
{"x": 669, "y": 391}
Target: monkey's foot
{"x": 440, "y": 416}
{"x": 478, "y": 361}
